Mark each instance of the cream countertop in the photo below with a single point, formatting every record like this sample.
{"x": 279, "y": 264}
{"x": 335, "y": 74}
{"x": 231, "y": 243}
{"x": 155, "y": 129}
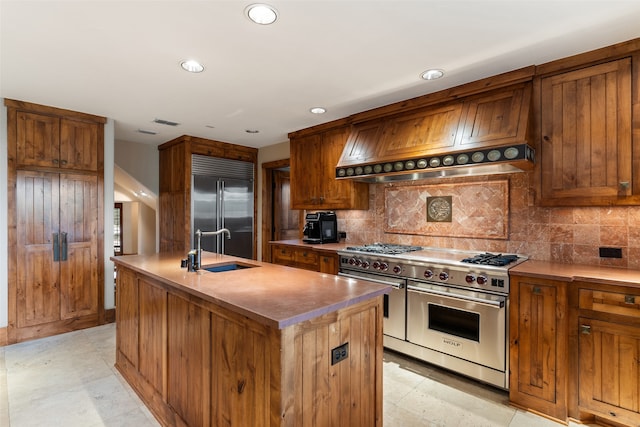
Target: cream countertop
{"x": 274, "y": 295}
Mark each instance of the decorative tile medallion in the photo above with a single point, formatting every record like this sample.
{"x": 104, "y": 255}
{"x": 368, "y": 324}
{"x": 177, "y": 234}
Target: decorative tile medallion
{"x": 470, "y": 209}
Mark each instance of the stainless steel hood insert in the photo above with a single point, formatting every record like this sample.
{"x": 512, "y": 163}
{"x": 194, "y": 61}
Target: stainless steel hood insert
{"x": 506, "y": 159}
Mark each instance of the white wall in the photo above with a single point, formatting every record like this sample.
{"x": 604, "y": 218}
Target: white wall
{"x": 141, "y": 161}
{"x": 146, "y": 230}
{"x": 4, "y": 242}
{"x": 267, "y": 154}
{"x": 109, "y": 144}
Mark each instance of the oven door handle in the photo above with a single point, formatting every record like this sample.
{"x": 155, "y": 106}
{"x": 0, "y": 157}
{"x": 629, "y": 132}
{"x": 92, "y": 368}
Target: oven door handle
{"x": 490, "y": 303}
{"x": 382, "y": 282}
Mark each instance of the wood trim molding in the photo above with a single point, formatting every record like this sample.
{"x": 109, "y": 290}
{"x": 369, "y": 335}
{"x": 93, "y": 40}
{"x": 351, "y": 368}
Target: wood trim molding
{"x": 4, "y": 337}
{"x": 53, "y": 111}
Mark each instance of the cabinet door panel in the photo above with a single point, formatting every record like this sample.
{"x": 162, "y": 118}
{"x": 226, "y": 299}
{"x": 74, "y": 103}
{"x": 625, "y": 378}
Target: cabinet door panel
{"x": 78, "y": 145}
{"x": 38, "y": 138}
{"x": 127, "y": 315}
{"x": 586, "y": 132}
{"x": 305, "y": 173}
{"x": 79, "y": 220}
{"x": 38, "y": 296}
{"x": 609, "y": 373}
{"x": 152, "y": 329}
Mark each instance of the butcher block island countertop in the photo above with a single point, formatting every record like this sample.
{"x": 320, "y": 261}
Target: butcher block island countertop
{"x": 261, "y": 346}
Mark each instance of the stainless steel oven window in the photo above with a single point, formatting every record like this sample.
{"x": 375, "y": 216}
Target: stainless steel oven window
{"x": 464, "y": 324}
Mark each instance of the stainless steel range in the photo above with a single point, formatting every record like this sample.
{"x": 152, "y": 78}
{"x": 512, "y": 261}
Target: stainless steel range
{"x": 447, "y": 307}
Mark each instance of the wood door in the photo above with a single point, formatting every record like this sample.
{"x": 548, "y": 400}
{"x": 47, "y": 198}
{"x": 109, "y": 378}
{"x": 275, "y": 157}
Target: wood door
{"x": 609, "y": 374}
{"x": 78, "y": 229}
{"x": 38, "y": 140}
{"x": 79, "y": 145}
{"x": 538, "y": 346}
{"x": 307, "y": 172}
{"x": 286, "y": 221}
{"x": 37, "y": 210}
{"x": 586, "y": 134}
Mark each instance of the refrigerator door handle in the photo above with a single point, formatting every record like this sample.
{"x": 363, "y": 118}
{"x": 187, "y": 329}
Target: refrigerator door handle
{"x": 221, "y": 218}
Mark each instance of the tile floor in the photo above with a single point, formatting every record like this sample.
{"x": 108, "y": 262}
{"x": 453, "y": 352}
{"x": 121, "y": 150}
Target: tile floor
{"x": 69, "y": 381}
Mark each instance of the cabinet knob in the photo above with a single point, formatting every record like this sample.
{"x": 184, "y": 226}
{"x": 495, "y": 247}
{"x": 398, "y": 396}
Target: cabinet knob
{"x": 64, "y": 162}
{"x": 585, "y": 329}
{"x": 624, "y": 184}
{"x": 55, "y": 161}
{"x": 536, "y": 290}
{"x": 629, "y": 299}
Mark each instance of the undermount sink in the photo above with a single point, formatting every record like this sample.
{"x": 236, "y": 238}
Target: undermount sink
{"x": 226, "y": 267}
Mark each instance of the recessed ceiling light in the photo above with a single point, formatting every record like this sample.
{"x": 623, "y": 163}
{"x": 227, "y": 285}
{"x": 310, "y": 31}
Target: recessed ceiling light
{"x": 252, "y": 131}
{"x": 318, "y": 110}
{"x": 432, "y": 74}
{"x": 192, "y": 66}
{"x": 262, "y": 14}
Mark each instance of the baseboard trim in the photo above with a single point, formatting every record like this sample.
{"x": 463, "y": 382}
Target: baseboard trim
{"x": 110, "y": 315}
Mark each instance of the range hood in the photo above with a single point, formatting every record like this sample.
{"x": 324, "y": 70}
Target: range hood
{"x": 484, "y": 134}
{"x": 494, "y": 160}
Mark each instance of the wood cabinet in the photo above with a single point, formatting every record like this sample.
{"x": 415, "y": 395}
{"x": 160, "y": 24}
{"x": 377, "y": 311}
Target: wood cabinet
{"x": 56, "y": 275}
{"x": 608, "y": 353}
{"x": 175, "y": 185}
{"x": 195, "y": 363}
{"x": 313, "y": 185}
{"x": 538, "y": 360}
{"x": 588, "y": 107}
{"x": 495, "y": 118}
{"x": 306, "y": 258}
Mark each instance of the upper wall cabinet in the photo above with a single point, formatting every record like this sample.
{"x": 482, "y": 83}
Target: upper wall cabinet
{"x": 49, "y": 141}
{"x": 589, "y": 142}
{"x": 493, "y": 118}
{"x": 313, "y": 184}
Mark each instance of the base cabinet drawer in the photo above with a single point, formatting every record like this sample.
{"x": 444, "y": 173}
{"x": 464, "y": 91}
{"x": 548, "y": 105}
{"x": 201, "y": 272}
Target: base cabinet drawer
{"x": 323, "y": 261}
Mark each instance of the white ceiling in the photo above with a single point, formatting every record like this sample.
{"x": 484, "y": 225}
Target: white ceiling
{"x": 121, "y": 59}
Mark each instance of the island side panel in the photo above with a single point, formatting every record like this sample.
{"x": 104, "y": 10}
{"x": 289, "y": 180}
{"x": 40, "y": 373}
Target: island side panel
{"x": 349, "y": 392}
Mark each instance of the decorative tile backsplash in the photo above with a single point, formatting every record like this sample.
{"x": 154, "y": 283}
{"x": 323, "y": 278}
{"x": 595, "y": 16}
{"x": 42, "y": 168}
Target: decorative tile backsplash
{"x": 473, "y": 209}
{"x": 567, "y": 235}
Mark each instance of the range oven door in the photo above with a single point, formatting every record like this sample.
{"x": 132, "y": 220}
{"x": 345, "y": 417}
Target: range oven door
{"x": 465, "y": 324}
{"x": 395, "y": 303}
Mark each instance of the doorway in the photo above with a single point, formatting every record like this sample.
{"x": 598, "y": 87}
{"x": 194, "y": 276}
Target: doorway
{"x": 279, "y": 221}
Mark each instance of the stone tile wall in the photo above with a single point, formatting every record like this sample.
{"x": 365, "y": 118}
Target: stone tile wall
{"x": 566, "y": 235}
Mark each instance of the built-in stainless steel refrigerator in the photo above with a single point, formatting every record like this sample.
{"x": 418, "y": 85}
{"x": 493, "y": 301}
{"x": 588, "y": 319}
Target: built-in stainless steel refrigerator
{"x": 222, "y": 197}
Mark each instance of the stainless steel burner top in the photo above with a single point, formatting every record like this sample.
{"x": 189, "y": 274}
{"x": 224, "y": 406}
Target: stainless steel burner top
{"x": 385, "y": 248}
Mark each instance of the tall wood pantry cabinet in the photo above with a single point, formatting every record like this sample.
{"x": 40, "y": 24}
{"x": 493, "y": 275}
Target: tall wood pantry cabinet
{"x": 55, "y": 192}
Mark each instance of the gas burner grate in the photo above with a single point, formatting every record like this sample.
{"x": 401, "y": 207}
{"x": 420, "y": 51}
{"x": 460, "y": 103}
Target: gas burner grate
{"x": 385, "y": 248}
{"x": 491, "y": 259}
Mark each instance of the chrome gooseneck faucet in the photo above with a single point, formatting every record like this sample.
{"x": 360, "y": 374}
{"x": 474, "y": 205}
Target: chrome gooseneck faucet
{"x": 199, "y": 235}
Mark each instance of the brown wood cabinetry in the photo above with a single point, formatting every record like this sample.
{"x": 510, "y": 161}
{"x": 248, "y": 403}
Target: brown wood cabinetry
{"x": 608, "y": 353}
{"x": 306, "y": 258}
{"x": 313, "y": 185}
{"x": 497, "y": 117}
{"x": 55, "y": 220}
{"x": 195, "y": 363}
{"x": 538, "y": 345}
{"x": 589, "y": 148}
{"x": 175, "y": 185}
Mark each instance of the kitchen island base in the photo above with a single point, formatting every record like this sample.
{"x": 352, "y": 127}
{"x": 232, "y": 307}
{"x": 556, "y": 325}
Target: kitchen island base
{"x": 196, "y": 363}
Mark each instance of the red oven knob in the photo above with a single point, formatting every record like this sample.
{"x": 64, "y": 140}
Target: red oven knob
{"x": 352, "y": 261}
{"x": 444, "y": 276}
{"x": 376, "y": 265}
{"x": 482, "y": 280}
{"x": 384, "y": 266}
{"x": 397, "y": 269}
{"x": 358, "y": 262}
{"x": 428, "y": 274}
{"x": 470, "y": 278}
{"x": 365, "y": 264}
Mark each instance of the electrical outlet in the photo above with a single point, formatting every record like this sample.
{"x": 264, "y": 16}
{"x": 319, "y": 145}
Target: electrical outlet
{"x": 340, "y": 353}
{"x": 610, "y": 252}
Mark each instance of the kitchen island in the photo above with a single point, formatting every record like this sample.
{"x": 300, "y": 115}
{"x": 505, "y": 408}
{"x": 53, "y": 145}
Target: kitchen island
{"x": 258, "y": 345}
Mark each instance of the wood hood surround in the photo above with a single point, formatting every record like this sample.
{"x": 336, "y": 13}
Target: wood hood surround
{"x": 441, "y": 134}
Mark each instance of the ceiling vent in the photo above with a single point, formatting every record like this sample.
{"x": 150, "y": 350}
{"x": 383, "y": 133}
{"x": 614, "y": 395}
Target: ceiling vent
{"x": 147, "y": 132}
{"x": 165, "y": 122}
